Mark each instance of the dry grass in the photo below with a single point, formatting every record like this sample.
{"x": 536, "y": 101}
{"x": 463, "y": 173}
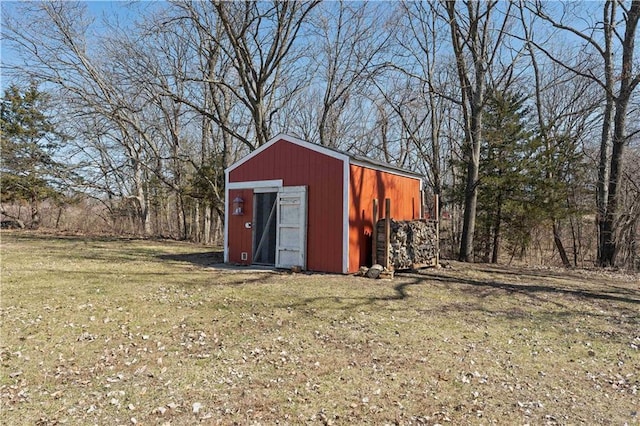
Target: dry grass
{"x": 124, "y": 332}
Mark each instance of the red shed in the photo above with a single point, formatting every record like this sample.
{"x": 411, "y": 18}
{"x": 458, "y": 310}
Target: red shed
{"x": 294, "y": 203}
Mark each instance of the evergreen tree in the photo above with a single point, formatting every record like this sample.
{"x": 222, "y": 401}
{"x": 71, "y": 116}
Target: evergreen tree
{"x": 508, "y": 176}
{"x": 564, "y": 190}
{"x": 29, "y": 141}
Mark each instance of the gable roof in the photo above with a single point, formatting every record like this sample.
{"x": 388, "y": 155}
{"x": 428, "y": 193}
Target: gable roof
{"x": 331, "y": 152}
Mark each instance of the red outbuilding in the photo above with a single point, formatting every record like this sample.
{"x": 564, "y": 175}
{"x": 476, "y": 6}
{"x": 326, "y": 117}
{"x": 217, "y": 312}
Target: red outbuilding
{"x": 294, "y": 203}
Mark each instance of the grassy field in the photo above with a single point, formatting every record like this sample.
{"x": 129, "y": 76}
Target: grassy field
{"x": 99, "y": 331}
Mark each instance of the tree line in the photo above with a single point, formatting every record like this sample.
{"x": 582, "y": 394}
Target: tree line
{"x": 522, "y": 115}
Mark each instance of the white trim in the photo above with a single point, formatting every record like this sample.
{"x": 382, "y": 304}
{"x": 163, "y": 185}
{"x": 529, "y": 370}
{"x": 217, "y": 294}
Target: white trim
{"x": 253, "y": 184}
{"x": 421, "y": 201}
{"x": 346, "y": 180}
{"x": 226, "y": 217}
{"x": 312, "y": 146}
{"x": 265, "y": 189}
{"x": 389, "y": 170}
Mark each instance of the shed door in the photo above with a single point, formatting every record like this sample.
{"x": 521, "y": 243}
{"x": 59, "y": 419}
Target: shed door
{"x": 291, "y": 235}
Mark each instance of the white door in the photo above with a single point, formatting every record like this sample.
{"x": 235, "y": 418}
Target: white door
{"x": 291, "y": 234}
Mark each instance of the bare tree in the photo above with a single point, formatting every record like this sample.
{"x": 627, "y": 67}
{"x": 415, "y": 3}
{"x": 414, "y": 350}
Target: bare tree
{"x": 118, "y": 88}
{"x": 352, "y": 43}
{"x": 557, "y": 112}
{"x": 629, "y": 220}
{"x": 261, "y": 44}
{"x": 56, "y": 51}
{"x": 476, "y": 40}
{"x": 612, "y": 39}
{"x": 421, "y": 35}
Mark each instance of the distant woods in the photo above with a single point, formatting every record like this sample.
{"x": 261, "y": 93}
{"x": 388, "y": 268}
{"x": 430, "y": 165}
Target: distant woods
{"x": 523, "y": 116}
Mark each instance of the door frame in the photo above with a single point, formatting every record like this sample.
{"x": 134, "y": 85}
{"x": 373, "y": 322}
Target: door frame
{"x": 256, "y": 186}
{"x": 261, "y": 186}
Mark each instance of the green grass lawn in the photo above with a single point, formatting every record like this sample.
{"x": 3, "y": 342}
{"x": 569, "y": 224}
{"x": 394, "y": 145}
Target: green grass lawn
{"x": 108, "y": 331}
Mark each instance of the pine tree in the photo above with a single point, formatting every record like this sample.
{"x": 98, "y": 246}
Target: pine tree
{"x": 507, "y": 175}
{"x": 29, "y": 141}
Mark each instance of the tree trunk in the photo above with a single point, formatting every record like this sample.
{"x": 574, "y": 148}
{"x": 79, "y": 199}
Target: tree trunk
{"x": 218, "y": 227}
{"x": 471, "y": 39}
{"x": 146, "y": 217}
{"x": 609, "y": 248}
{"x": 469, "y": 218}
{"x": 496, "y": 233}
{"x": 59, "y": 216}
{"x": 603, "y": 174}
{"x": 471, "y": 185}
{"x": 602, "y": 188}
{"x": 628, "y": 82}
{"x": 558, "y": 242}
{"x": 35, "y": 213}
{"x": 196, "y": 234}
{"x": 575, "y": 237}
{"x": 142, "y": 199}
{"x": 181, "y": 217}
{"x": 435, "y": 150}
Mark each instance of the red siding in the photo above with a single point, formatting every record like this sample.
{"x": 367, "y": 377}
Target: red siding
{"x": 365, "y": 186}
{"x": 241, "y": 236}
{"x": 323, "y": 176}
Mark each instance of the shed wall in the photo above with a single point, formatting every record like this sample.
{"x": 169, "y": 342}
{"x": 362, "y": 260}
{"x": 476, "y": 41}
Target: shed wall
{"x": 241, "y": 236}
{"x": 298, "y": 166}
{"x": 365, "y": 185}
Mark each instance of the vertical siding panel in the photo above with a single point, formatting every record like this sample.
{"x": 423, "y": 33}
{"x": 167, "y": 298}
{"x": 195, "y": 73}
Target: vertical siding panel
{"x": 369, "y": 184}
{"x": 314, "y": 214}
{"x": 238, "y": 234}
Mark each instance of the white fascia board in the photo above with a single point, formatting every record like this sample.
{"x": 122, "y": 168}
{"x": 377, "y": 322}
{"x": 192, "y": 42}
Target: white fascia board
{"x": 386, "y": 170}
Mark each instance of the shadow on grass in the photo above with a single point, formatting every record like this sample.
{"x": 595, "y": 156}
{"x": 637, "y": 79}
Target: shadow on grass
{"x": 564, "y": 298}
{"x": 608, "y": 293}
{"x": 563, "y": 275}
{"x": 40, "y": 235}
{"x": 203, "y": 259}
